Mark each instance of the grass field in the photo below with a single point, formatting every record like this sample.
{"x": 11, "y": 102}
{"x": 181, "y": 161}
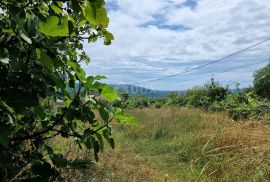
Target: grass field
{"x": 173, "y": 144}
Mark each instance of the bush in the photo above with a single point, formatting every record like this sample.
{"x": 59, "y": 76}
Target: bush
{"x": 242, "y": 104}
{"x": 123, "y": 102}
{"x": 139, "y": 102}
{"x": 246, "y": 104}
{"x": 240, "y": 112}
{"x": 204, "y": 97}
{"x": 217, "y": 106}
{"x": 174, "y": 99}
{"x": 262, "y": 82}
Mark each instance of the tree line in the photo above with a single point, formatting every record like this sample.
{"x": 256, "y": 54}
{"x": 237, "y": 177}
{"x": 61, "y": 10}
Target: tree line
{"x": 239, "y": 104}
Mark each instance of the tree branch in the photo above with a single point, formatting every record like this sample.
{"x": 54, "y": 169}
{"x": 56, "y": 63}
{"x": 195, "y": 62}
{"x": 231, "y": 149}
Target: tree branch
{"x": 50, "y": 137}
{"x": 69, "y": 134}
{"x": 40, "y": 133}
{"x": 95, "y": 131}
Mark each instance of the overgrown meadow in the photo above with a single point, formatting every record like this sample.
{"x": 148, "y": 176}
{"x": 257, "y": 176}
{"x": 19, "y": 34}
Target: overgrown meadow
{"x": 207, "y": 134}
{"x": 179, "y": 144}
{"x": 57, "y": 123}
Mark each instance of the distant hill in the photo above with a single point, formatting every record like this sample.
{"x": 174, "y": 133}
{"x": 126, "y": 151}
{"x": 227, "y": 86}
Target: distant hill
{"x": 138, "y": 91}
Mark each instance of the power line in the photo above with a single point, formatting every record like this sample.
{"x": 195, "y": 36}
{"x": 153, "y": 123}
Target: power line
{"x": 226, "y": 71}
{"x": 202, "y": 66}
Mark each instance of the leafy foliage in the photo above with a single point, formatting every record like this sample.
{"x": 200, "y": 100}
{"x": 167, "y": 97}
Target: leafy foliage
{"x": 244, "y": 105}
{"x": 262, "y": 82}
{"x": 204, "y": 97}
{"x": 210, "y": 97}
{"x": 41, "y": 46}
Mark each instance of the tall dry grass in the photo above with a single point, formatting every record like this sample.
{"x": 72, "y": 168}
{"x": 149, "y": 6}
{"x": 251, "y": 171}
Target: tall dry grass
{"x": 173, "y": 144}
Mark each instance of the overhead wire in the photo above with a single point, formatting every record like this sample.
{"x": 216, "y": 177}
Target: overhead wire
{"x": 207, "y": 64}
{"x": 226, "y": 71}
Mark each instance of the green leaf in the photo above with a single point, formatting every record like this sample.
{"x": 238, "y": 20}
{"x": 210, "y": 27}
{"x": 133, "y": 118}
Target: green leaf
{"x": 79, "y": 163}
{"x": 5, "y": 131}
{"x": 76, "y": 6}
{"x": 96, "y": 147}
{"x": 58, "y": 160}
{"x": 6, "y": 107}
{"x": 103, "y": 113}
{"x": 108, "y": 37}
{"x": 125, "y": 119}
{"x": 7, "y": 30}
{"x": 56, "y": 7}
{"x": 31, "y": 25}
{"x": 5, "y": 60}
{"x": 107, "y": 136}
{"x": 109, "y": 94}
{"x": 55, "y": 27}
{"x": 45, "y": 60}
{"x": 68, "y": 102}
{"x": 100, "y": 141}
{"x": 24, "y": 37}
{"x": 90, "y": 80}
{"x": 100, "y": 77}
{"x": 78, "y": 70}
{"x": 95, "y": 14}
{"x": 88, "y": 143}
{"x": 39, "y": 112}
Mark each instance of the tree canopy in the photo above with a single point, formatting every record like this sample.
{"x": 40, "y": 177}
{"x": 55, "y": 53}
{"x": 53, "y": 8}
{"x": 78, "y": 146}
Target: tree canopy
{"x": 262, "y": 82}
{"x": 41, "y": 48}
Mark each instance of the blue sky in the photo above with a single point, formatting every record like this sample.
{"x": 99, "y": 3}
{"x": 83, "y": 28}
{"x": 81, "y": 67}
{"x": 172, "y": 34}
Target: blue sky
{"x": 156, "y": 38}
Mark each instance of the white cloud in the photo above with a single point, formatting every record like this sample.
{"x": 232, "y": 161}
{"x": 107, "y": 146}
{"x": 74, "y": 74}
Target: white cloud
{"x": 143, "y": 43}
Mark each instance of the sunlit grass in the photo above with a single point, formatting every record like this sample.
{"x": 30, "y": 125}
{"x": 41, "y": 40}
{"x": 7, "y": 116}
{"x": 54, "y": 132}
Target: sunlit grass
{"x": 184, "y": 144}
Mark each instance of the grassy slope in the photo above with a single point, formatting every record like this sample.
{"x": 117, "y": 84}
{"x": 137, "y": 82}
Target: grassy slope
{"x": 184, "y": 145}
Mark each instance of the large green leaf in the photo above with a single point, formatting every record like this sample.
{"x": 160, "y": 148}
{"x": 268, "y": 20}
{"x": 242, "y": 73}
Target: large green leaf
{"x": 45, "y": 60}
{"x": 109, "y": 93}
{"x": 55, "y": 27}
{"x": 103, "y": 113}
{"x": 96, "y": 15}
{"x": 107, "y": 136}
{"x": 78, "y": 70}
{"x": 25, "y": 37}
{"x": 108, "y": 37}
{"x": 125, "y": 119}
{"x": 57, "y": 7}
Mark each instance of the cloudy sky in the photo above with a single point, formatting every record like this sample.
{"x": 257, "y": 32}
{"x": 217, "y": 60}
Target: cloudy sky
{"x": 156, "y": 38}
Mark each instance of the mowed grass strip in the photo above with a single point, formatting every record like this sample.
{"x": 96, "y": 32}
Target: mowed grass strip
{"x": 182, "y": 144}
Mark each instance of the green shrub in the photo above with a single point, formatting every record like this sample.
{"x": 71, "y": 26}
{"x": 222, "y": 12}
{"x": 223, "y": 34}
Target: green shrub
{"x": 262, "y": 82}
{"x": 217, "y": 106}
{"x": 261, "y": 110}
{"x": 246, "y": 104}
{"x": 157, "y": 105}
{"x": 174, "y": 99}
{"x": 139, "y": 102}
{"x": 204, "y": 97}
{"x": 240, "y": 112}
